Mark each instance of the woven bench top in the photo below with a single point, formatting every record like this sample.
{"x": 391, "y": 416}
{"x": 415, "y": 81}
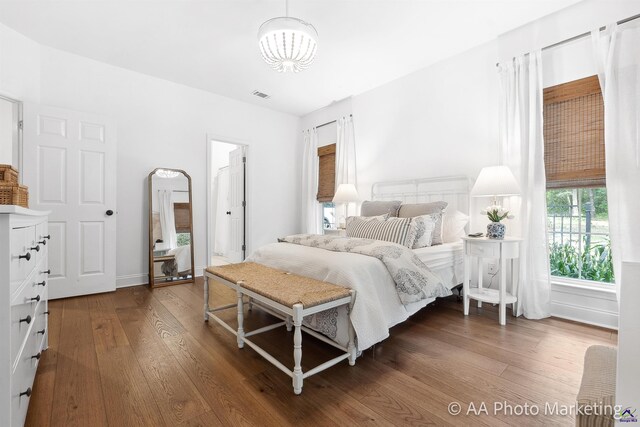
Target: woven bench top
{"x": 285, "y": 288}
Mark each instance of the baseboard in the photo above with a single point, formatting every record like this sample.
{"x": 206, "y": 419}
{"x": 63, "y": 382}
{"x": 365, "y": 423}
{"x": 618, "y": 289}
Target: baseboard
{"x": 142, "y": 279}
{"x": 589, "y": 306}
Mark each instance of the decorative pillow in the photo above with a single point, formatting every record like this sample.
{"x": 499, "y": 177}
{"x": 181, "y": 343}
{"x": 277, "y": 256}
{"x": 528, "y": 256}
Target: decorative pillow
{"x": 417, "y": 209}
{"x": 367, "y": 218}
{"x": 375, "y": 208}
{"x": 423, "y": 228}
{"x": 395, "y": 230}
{"x": 453, "y": 225}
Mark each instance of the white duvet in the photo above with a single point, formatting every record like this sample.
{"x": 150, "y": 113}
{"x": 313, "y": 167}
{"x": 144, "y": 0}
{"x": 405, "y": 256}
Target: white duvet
{"x": 377, "y": 307}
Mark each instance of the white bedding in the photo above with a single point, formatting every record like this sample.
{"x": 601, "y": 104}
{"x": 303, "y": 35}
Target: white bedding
{"x": 377, "y": 307}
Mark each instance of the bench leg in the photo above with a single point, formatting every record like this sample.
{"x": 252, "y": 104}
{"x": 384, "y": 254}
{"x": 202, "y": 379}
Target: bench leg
{"x": 206, "y": 298}
{"x": 352, "y": 334}
{"x": 287, "y": 323}
{"x": 250, "y": 304}
{"x": 240, "y": 320}
{"x": 297, "y": 349}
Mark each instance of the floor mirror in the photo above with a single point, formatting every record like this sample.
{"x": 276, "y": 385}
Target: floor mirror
{"x": 170, "y": 228}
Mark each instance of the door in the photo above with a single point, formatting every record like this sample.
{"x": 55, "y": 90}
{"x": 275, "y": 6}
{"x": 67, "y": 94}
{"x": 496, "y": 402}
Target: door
{"x": 70, "y": 168}
{"x": 237, "y": 204}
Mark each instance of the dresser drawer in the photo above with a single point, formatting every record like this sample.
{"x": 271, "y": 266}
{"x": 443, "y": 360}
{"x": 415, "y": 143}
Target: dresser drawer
{"x": 483, "y": 251}
{"x": 42, "y": 239}
{"x": 23, "y": 312}
{"x": 23, "y": 255}
{"x": 21, "y": 381}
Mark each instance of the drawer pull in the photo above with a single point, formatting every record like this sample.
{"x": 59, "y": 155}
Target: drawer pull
{"x": 48, "y": 237}
{"x": 43, "y": 283}
{"x": 43, "y": 242}
{"x": 41, "y": 332}
{"x": 26, "y": 319}
{"x": 26, "y": 256}
{"x": 46, "y": 272}
{"x": 46, "y": 312}
{"x": 35, "y": 248}
{"x": 36, "y": 356}
{"x": 36, "y": 298}
{"x": 27, "y": 392}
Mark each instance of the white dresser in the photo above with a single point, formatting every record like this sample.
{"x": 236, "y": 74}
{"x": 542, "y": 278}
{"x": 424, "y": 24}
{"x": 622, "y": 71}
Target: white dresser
{"x": 23, "y": 307}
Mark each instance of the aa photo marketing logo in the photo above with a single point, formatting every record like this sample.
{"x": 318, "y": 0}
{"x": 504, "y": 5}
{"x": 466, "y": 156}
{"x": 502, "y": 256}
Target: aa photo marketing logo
{"x": 627, "y": 415}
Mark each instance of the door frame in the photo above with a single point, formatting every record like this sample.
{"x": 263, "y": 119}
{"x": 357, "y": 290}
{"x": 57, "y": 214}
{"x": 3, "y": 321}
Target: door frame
{"x": 212, "y": 138}
{"x": 17, "y": 108}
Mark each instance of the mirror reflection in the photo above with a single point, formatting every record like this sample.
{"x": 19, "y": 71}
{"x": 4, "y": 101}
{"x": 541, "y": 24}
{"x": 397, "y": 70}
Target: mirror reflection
{"x": 170, "y": 227}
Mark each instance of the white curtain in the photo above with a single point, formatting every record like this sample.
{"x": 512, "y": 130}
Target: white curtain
{"x": 311, "y": 209}
{"x": 346, "y": 153}
{"x": 522, "y": 149}
{"x": 618, "y": 59}
{"x": 222, "y": 228}
{"x": 167, "y": 219}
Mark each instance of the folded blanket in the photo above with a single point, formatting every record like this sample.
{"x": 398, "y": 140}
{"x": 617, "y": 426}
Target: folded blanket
{"x": 413, "y": 279}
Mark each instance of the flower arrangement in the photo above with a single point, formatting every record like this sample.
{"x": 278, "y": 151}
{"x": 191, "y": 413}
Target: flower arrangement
{"x": 496, "y": 213}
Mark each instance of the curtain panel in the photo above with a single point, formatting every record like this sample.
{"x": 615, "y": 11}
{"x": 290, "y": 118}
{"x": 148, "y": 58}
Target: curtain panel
{"x": 311, "y": 209}
{"x": 522, "y": 149}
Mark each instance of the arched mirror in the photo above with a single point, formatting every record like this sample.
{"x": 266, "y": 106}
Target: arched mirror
{"x": 170, "y": 228}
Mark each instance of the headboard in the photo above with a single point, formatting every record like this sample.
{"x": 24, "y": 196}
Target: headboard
{"x": 452, "y": 189}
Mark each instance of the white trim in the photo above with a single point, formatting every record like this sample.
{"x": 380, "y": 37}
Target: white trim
{"x": 141, "y": 279}
{"x": 593, "y": 305}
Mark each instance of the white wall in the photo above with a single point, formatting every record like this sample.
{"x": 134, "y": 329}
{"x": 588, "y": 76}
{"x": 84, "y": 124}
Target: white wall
{"x": 163, "y": 124}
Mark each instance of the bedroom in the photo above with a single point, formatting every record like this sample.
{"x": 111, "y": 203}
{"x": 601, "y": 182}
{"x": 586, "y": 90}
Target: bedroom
{"x": 417, "y": 81}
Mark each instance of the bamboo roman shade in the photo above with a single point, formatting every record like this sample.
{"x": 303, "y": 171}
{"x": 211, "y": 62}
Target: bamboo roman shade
{"x": 182, "y": 217}
{"x": 326, "y": 172}
{"x": 574, "y": 134}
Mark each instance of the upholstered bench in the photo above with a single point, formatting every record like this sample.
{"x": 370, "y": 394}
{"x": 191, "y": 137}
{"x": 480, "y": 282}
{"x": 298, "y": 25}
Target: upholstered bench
{"x": 286, "y": 296}
{"x": 598, "y": 387}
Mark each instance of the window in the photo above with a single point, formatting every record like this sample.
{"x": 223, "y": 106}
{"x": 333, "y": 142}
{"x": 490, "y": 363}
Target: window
{"x": 577, "y": 214}
{"x": 182, "y": 219}
{"x": 326, "y": 172}
{"x": 329, "y": 216}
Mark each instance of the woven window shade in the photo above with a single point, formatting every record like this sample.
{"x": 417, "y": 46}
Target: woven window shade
{"x": 574, "y": 134}
{"x": 182, "y": 215}
{"x": 326, "y": 173}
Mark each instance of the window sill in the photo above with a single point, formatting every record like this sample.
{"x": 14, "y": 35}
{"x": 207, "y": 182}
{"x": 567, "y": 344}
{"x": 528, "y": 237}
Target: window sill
{"x": 607, "y": 288}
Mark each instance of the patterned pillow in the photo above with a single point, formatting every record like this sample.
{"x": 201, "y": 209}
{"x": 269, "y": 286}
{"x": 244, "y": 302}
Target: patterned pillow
{"x": 417, "y": 209}
{"x": 367, "y": 218}
{"x": 395, "y": 230}
{"x": 424, "y": 226}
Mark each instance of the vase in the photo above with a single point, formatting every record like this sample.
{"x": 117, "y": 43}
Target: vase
{"x": 495, "y": 230}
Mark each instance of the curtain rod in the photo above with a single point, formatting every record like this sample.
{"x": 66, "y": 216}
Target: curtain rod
{"x": 579, "y": 36}
{"x": 328, "y": 123}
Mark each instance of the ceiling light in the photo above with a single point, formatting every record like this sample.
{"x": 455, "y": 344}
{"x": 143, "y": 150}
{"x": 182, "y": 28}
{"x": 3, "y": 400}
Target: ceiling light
{"x": 287, "y": 44}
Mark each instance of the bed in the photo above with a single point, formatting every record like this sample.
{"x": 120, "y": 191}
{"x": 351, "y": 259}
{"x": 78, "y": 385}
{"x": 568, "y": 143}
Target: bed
{"x": 377, "y": 307}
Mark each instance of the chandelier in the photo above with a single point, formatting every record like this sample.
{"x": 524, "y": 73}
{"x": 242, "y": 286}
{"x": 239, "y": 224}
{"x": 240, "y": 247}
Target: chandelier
{"x": 287, "y": 44}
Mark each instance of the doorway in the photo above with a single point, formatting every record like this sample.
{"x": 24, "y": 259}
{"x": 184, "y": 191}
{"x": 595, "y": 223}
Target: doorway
{"x": 227, "y": 202}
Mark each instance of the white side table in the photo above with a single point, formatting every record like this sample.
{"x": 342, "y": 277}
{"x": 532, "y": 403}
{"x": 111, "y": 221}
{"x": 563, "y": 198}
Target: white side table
{"x": 503, "y": 250}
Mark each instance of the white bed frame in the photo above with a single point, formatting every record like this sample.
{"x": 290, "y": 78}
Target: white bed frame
{"x": 452, "y": 189}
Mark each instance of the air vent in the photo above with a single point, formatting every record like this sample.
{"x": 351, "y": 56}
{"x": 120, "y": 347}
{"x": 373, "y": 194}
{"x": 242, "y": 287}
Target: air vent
{"x": 260, "y": 94}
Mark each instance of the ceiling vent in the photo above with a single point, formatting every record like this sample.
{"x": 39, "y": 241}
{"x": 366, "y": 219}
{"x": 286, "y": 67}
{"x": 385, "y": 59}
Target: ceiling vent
{"x": 260, "y": 94}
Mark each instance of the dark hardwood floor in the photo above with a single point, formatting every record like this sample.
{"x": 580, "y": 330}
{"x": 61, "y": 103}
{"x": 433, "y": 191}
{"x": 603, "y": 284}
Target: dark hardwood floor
{"x": 146, "y": 358}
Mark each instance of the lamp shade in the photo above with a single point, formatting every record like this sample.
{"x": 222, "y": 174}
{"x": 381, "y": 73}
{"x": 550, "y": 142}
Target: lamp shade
{"x": 346, "y": 193}
{"x": 495, "y": 181}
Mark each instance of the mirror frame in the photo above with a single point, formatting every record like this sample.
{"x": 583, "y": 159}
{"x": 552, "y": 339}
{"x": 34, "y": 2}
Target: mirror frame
{"x": 152, "y": 282}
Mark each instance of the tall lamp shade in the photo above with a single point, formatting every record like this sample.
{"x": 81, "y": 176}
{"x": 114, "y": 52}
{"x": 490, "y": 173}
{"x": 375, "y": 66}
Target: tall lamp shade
{"x": 495, "y": 181}
{"x": 346, "y": 193}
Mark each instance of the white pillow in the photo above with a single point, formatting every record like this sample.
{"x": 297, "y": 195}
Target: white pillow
{"x": 453, "y": 225}
{"x": 423, "y": 228}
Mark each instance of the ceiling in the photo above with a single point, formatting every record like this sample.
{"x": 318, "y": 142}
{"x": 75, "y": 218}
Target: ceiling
{"x": 212, "y": 44}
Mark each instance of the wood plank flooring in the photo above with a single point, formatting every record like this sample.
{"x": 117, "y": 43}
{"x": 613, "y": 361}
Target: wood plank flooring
{"x": 138, "y": 357}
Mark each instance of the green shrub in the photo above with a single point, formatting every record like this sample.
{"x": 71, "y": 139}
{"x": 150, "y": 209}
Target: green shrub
{"x": 594, "y": 263}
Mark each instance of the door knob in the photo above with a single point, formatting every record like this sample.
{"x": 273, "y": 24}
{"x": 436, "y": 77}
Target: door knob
{"x": 228, "y": 212}
{"x": 109, "y": 212}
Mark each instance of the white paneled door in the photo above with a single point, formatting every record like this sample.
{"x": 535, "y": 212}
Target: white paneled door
{"x": 69, "y": 165}
{"x": 236, "y": 204}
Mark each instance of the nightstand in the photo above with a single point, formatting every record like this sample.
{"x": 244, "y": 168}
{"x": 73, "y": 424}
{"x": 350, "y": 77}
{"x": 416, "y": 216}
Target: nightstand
{"x": 504, "y": 250}
{"x": 336, "y": 232}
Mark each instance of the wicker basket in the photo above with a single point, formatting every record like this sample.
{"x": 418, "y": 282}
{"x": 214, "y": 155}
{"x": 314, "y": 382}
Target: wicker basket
{"x": 14, "y": 194}
{"x": 8, "y": 175}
